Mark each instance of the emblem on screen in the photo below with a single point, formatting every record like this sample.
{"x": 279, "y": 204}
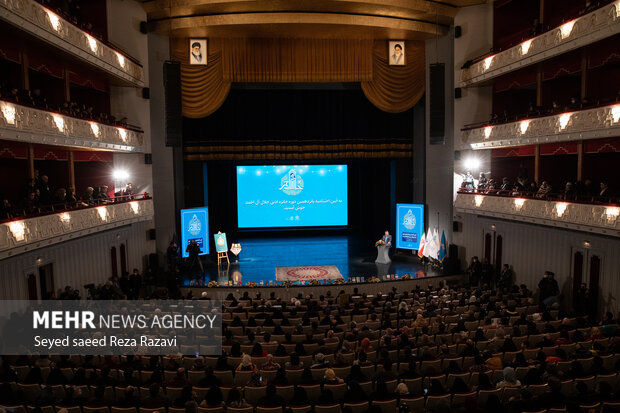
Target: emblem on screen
{"x": 291, "y": 184}
{"x": 409, "y": 220}
{"x": 194, "y": 226}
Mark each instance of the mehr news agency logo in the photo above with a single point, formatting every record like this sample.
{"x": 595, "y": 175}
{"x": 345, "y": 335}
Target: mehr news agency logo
{"x": 291, "y": 184}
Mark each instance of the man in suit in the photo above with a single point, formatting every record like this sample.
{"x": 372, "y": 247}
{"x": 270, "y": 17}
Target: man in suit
{"x": 387, "y": 238}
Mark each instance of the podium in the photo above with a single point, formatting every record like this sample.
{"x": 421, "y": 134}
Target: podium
{"x": 383, "y": 256}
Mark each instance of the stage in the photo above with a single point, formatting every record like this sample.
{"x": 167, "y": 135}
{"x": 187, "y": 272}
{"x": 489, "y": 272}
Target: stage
{"x": 260, "y": 257}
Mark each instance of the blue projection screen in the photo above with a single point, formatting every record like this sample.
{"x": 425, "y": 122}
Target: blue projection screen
{"x": 276, "y": 196}
{"x": 195, "y": 225}
{"x": 409, "y": 225}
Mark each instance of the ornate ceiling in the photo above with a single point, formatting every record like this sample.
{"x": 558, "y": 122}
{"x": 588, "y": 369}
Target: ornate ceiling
{"x": 335, "y": 19}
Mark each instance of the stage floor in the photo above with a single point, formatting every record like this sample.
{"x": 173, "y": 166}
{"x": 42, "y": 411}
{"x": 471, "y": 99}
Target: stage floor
{"x": 260, "y": 257}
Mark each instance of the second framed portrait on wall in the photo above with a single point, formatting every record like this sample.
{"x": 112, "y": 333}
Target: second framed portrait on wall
{"x": 396, "y": 53}
{"x": 197, "y": 51}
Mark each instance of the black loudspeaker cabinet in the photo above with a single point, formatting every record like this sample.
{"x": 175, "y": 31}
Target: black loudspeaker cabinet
{"x": 148, "y": 158}
{"x": 152, "y": 234}
{"x": 456, "y": 226}
{"x": 458, "y": 93}
{"x": 172, "y": 89}
{"x": 451, "y": 266}
{"x": 146, "y": 93}
{"x": 143, "y": 27}
{"x": 453, "y": 251}
{"x": 153, "y": 261}
{"x": 458, "y": 32}
{"x": 437, "y": 110}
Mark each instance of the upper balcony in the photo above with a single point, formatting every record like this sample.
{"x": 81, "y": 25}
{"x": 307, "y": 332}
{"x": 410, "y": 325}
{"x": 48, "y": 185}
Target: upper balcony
{"x": 30, "y": 125}
{"x": 44, "y": 24}
{"x": 589, "y": 28}
{"x": 594, "y": 218}
{"x": 599, "y": 122}
{"x": 22, "y": 235}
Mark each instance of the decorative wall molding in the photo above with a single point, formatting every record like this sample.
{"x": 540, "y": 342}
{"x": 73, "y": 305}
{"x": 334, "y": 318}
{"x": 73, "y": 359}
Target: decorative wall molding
{"x": 20, "y": 236}
{"x": 43, "y": 23}
{"x": 26, "y": 124}
{"x": 600, "y": 122}
{"x": 600, "y": 219}
{"x": 592, "y": 27}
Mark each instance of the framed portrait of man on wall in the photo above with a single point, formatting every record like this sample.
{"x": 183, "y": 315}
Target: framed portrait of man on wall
{"x": 396, "y": 53}
{"x": 197, "y": 51}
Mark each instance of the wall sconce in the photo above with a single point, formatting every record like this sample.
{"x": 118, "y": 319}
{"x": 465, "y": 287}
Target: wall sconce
{"x": 487, "y": 132}
{"x": 123, "y": 134}
{"x": 523, "y": 126}
{"x": 615, "y": 113}
{"x": 94, "y": 127}
{"x": 566, "y": 29}
{"x": 478, "y": 200}
{"x": 612, "y": 213}
{"x": 38, "y": 261}
{"x": 18, "y": 229}
{"x": 92, "y": 43}
{"x": 65, "y": 217}
{"x": 587, "y": 245}
{"x": 103, "y": 213}
{"x": 134, "y": 207}
{"x": 8, "y": 111}
{"x": 121, "y": 59}
{"x": 560, "y": 207}
{"x": 525, "y": 46}
{"x": 519, "y": 202}
{"x": 54, "y": 20}
{"x": 60, "y": 122}
{"x": 488, "y": 62}
{"x": 564, "y": 120}
{"x": 493, "y": 227}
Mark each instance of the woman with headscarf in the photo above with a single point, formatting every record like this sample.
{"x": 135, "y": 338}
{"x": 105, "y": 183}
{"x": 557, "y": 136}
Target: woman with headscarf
{"x": 331, "y": 378}
{"x": 355, "y": 393}
{"x": 381, "y": 391}
{"x": 300, "y": 397}
{"x": 246, "y": 364}
{"x": 436, "y": 388}
{"x": 355, "y": 374}
{"x": 484, "y": 382}
{"x": 510, "y": 378}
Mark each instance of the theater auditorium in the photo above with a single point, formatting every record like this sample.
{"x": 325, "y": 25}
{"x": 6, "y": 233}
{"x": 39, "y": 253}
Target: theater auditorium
{"x": 379, "y": 205}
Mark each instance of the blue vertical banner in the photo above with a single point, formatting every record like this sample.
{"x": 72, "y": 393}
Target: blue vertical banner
{"x": 409, "y": 226}
{"x": 195, "y": 226}
{"x": 221, "y": 245}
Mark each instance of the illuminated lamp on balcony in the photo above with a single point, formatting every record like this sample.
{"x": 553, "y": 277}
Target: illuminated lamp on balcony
{"x": 121, "y": 59}
{"x": 525, "y": 46}
{"x": 134, "y": 207}
{"x": 560, "y": 207}
{"x": 54, "y": 20}
{"x": 8, "y": 111}
{"x": 564, "y": 119}
{"x": 488, "y": 62}
{"x": 103, "y": 212}
{"x": 123, "y": 134}
{"x": 612, "y": 213}
{"x": 566, "y": 29}
{"x": 615, "y": 113}
{"x": 60, "y": 122}
{"x": 94, "y": 127}
{"x": 65, "y": 217}
{"x": 618, "y": 9}
{"x": 18, "y": 229}
{"x": 478, "y": 200}
{"x": 92, "y": 43}
{"x": 487, "y": 132}
{"x": 523, "y": 126}
{"x": 519, "y": 202}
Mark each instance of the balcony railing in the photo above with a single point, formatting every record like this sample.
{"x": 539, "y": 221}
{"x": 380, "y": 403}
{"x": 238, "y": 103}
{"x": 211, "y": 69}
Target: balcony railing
{"x": 599, "y": 122}
{"x": 587, "y": 29}
{"x": 43, "y": 23}
{"x": 27, "y": 124}
{"x": 20, "y": 235}
{"x": 594, "y": 218}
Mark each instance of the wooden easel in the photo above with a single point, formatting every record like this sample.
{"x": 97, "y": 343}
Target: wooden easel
{"x": 221, "y": 256}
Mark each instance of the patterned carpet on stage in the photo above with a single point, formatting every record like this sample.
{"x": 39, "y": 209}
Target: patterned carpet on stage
{"x": 307, "y": 273}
